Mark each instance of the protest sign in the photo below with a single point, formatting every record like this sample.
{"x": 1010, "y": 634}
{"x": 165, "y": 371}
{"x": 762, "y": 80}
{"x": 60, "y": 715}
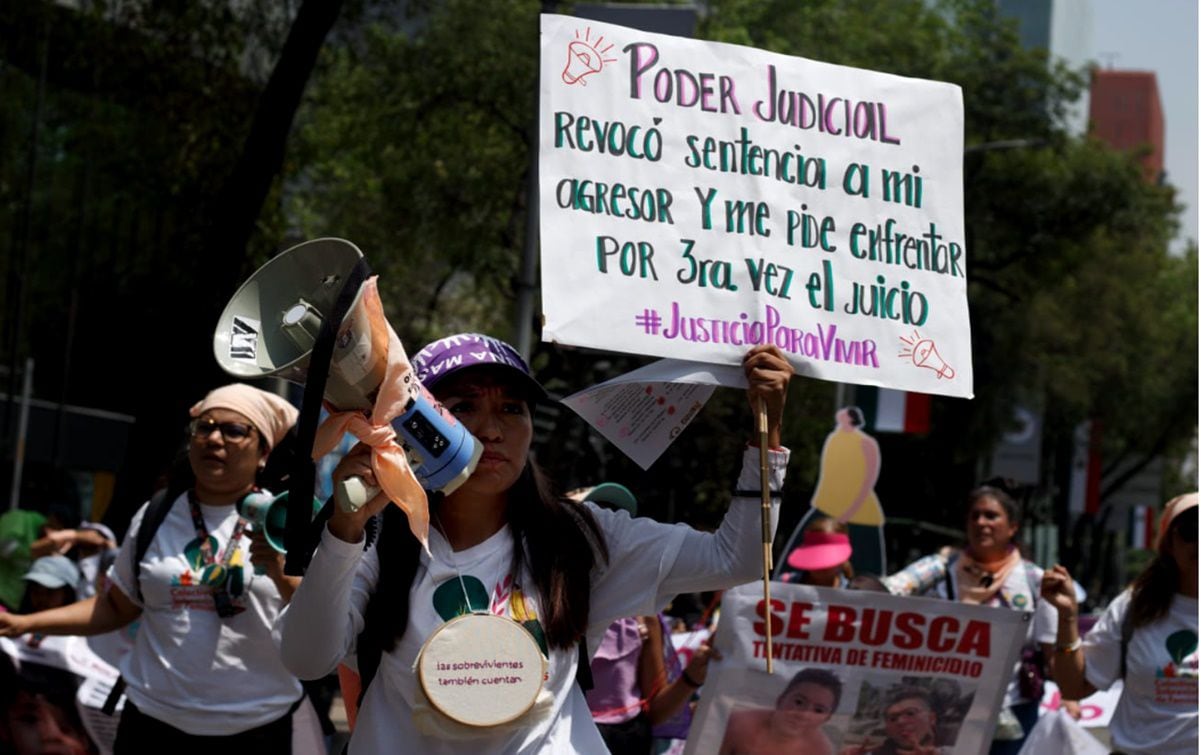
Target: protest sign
{"x": 686, "y": 644}
{"x": 55, "y": 689}
{"x": 697, "y": 198}
{"x": 855, "y": 670}
{"x": 1095, "y": 710}
{"x": 1057, "y": 732}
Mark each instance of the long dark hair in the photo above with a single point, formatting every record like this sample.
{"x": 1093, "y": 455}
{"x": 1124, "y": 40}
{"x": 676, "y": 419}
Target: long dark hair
{"x": 1153, "y": 589}
{"x": 560, "y": 541}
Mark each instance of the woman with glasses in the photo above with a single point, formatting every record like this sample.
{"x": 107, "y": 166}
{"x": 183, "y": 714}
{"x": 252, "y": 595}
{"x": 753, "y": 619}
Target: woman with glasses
{"x": 204, "y": 671}
{"x": 1147, "y": 639}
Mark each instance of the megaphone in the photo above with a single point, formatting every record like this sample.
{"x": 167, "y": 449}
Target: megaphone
{"x": 269, "y": 515}
{"x": 269, "y": 328}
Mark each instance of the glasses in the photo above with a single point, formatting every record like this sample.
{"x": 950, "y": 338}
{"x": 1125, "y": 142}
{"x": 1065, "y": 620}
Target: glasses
{"x": 232, "y": 432}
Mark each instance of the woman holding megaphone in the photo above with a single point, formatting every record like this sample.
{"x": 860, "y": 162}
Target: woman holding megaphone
{"x": 203, "y": 669}
{"x": 474, "y": 644}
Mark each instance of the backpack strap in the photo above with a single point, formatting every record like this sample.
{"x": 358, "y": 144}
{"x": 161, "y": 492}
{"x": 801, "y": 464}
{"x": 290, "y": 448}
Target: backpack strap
{"x": 368, "y": 655}
{"x": 1123, "y": 648}
{"x": 948, "y": 577}
{"x": 152, "y": 519}
{"x": 1033, "y": 583}
{"x": 114, "y": 695}
{"x": 156, "y": 512}
{"x": 368, "y": 650}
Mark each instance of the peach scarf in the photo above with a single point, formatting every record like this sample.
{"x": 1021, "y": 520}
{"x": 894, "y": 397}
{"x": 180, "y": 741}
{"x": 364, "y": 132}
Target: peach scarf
{"x": 979, "y": 581}
{"x": 388, "y": 459}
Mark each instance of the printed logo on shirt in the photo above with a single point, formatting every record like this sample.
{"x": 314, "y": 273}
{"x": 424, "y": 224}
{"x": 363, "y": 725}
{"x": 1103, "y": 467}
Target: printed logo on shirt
{"x": 193, "y": 587}
{"x": 466, "y": 594}
{"x": 523, "y": 612}
{"x": 1176, "y": 681}
{"x": 199, "y": 552}
{"x": 459, "y": 596}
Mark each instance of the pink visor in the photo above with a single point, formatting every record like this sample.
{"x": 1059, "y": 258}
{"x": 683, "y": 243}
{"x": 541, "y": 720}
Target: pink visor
{"x": 820, "y": 550}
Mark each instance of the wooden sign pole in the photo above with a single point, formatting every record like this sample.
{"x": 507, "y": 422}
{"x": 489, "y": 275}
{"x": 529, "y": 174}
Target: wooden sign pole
{"x": 765, "y": 490}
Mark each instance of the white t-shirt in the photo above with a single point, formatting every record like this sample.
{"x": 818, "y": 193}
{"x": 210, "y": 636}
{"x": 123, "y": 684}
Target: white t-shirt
{"x": 1157, "y": 712}
{"x": 649, "y": 563}
{"x": 1019, "y": 592}
{"x": 190, "y": 668}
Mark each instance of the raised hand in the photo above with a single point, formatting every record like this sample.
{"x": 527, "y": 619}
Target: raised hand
{"x": 1059, "y": 590}
{"x": 767, "y": 375}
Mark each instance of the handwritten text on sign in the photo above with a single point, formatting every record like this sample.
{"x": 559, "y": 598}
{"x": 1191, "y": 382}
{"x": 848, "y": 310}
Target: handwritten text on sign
{"x": 698, "y": 198}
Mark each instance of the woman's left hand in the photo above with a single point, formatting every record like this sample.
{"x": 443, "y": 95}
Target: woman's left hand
{"x": 1059, "y": 590}
{"x": 262, "y": 555}
{"x": 767, "y": 375}
{"x": 271, "y": 563}
{"x": 698, "y": 667}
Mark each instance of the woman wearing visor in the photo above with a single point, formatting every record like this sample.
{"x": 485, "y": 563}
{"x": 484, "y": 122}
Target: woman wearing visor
{"x": 502, "y": 545}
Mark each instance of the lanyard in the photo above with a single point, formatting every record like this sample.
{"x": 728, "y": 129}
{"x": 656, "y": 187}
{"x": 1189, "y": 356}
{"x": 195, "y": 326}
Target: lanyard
{"x": 217, "y": 575}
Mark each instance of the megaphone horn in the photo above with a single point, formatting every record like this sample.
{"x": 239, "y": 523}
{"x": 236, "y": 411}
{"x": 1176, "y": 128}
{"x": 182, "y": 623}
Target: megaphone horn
{"x": 269, "y": 515}
{"x": 269, "y": 328}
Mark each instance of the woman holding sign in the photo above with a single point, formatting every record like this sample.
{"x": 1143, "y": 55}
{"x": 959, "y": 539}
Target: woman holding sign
{"x": 475, "y": 644}
{"x": 990, "y": 571}
{"x": 1147, "y": 638}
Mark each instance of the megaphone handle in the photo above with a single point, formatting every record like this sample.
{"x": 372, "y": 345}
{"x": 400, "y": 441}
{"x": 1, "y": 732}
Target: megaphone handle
{"x": 353, "y": 494}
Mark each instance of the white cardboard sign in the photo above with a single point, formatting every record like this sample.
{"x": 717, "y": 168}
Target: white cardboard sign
{"x": 697, "y": 198}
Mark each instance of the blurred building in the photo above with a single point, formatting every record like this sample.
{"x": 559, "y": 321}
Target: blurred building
{"x": 1125, "y": 113}
{"x": 1068, "y": 512}
{"x": 1064, "y": 28}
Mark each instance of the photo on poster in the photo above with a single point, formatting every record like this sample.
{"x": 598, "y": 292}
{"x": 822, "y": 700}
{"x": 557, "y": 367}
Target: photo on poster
{"x": 38, "y": 712}
{"x": 806, "y": 713}
{"x": 907, "y": 714}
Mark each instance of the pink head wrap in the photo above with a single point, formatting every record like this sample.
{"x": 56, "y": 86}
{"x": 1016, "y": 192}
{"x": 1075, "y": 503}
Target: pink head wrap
{"x": 270, "y": 414}
{"x": 1173, "y": 509}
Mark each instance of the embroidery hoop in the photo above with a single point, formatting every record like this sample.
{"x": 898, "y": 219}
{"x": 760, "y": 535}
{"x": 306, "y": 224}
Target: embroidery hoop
{"x": 460, "y": 648}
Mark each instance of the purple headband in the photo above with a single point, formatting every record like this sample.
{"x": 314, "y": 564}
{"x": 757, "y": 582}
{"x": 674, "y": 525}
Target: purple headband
{"x": 447, "y": 356}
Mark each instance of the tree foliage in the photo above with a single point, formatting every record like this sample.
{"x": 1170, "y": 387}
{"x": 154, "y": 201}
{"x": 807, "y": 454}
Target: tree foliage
{"x": 141, "y": 142}
{"x": 1077, "y": 306}
{"x": 415, "y": 139}
{"x": 415, "y": 143}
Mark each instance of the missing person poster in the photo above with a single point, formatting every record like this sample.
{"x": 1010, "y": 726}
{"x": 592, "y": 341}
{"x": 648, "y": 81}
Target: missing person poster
{"x": 856, "y": 673}
{"x": 698, "y": 198}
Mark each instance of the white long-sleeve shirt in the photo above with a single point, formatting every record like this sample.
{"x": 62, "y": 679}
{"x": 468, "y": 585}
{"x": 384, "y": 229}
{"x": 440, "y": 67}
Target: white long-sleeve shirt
{"x": 649, "y": 563}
